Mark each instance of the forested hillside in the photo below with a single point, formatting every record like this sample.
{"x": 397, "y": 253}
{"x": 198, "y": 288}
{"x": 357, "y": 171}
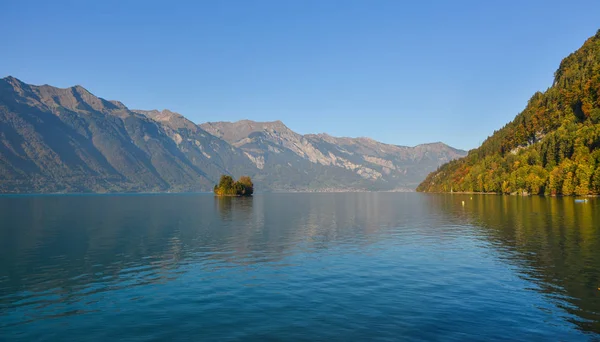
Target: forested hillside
{"x": 552, "y": 147}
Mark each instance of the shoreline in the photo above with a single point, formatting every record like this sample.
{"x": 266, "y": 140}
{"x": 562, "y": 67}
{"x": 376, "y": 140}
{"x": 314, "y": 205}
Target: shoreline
{"x": 26, "y": 194}
{"x": 501, "y": 194}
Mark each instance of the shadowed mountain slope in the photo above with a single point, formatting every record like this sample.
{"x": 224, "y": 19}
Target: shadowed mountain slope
{"x": 68, "y": 140}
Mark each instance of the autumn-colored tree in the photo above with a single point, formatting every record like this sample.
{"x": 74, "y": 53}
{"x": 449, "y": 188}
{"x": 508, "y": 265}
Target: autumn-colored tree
{"x": 596, "y": 181}
{"x": 229, "y": 187}
{"x": 552, "y": 147}
{"x": 247, "y": 185}
{"x": 568, "y": 187}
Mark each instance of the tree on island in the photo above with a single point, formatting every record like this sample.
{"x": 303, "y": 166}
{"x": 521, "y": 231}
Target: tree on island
{"x": 229, "y": 187}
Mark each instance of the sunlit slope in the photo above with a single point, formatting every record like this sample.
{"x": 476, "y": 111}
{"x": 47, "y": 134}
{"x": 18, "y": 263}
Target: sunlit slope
{"x": 552, "y": 147}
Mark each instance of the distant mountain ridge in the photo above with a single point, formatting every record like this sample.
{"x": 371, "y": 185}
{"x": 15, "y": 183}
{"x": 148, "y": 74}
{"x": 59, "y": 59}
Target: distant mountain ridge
{"x": 379, "y": 166}
{"x": 69, "y": 140}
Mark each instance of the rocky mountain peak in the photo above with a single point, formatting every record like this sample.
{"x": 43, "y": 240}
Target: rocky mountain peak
{"x": 14, "y": 83}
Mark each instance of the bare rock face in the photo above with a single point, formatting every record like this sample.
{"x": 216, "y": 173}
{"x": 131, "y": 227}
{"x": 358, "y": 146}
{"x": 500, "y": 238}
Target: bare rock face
{"x": 69, "y": 140}
{"x": 363, "y": 162}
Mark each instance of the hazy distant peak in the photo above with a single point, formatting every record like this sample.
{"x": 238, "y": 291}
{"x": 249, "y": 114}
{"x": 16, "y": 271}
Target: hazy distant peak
{"x": 166, "y": 115}
{"x": 169, "y": 118}
{"x": 434, "y": 144}
{"x": 256, "y": 124}
{"x": 368, "y": 140}
{"x": 238, "y": 130}
{"x": 440, "y": 146}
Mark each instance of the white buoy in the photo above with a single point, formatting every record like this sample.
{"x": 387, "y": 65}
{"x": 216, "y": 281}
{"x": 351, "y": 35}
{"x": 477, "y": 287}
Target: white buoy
{"x": 463, "y": 203}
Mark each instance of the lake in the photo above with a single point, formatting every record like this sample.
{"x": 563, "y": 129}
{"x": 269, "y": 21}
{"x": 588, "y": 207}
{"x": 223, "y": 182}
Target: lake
{"x": 281, "y": 267}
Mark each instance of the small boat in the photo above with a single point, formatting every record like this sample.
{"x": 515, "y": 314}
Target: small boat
{"x": 581, "y": 200}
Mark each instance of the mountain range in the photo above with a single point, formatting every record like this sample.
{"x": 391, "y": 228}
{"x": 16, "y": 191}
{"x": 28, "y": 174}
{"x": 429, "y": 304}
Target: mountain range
{"x": 69, "y": 140}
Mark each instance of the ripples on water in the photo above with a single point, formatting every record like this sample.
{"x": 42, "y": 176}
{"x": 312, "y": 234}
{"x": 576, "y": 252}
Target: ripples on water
{"x": 299, "y": 267}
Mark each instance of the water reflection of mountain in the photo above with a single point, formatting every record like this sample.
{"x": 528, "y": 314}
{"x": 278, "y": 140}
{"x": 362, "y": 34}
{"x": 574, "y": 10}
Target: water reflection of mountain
{"x": 70, "y": 242}
{"x": 555, "y": 242}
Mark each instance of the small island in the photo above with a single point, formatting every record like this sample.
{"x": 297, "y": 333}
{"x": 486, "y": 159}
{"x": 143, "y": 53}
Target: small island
{"x": 229, "y": 187}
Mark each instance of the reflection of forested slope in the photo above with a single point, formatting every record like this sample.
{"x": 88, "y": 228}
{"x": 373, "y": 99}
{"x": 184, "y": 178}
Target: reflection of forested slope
{"x": 554, "y": 241}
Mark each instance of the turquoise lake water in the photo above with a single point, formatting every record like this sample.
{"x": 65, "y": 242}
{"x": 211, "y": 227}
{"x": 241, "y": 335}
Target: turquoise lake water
{"x": 285, "y": 267}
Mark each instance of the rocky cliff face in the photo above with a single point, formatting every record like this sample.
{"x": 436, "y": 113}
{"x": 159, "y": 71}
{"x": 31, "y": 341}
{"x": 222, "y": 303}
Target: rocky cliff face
{"x": 68, "y": 140}
{"x": 363, "y": 162}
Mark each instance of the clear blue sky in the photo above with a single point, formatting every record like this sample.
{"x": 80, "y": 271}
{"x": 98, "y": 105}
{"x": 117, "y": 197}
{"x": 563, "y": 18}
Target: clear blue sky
{"x": 402, "y": 72}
